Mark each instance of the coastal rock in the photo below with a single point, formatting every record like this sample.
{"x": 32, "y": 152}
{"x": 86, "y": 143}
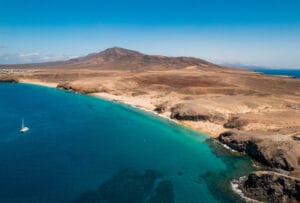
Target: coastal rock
{"x": 194, "y": 112}
{"x": 271, "y": 187}
{"x": 84, "y": 89}
{"x": 188, "y": 112}
{"x": 8, "y": 79}
{"x": 65, "y": 86}
{"x": 296, "y": 137}
{"x": 160, "y": 108}
{"x": 235, "y": 122}
{"x": 263, "y": 151}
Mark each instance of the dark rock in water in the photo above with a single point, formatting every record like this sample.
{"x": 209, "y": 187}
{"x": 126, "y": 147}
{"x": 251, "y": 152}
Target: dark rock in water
{"x": 275, "y": 158}
{"x": 271, "y": 187}
{"x": 130, "y": 186}
{"x": 180, "y": 173}
{"x": 163, "y": 193}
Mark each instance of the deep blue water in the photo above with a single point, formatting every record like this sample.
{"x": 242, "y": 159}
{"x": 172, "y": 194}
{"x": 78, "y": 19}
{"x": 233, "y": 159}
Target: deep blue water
{"x": 294, "y": 73}
{"x": 77, "y": 142}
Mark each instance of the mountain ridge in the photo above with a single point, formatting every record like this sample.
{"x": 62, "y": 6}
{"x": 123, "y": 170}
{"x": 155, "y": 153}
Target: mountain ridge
{"x": 120, "y": 58}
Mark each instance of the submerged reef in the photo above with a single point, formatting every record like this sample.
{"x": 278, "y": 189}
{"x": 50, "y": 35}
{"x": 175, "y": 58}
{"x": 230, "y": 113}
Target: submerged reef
{"x": 130, "y": 186}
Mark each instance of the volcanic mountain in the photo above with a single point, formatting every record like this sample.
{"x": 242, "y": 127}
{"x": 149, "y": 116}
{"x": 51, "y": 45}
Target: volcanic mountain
{"x": 117, "y": 58}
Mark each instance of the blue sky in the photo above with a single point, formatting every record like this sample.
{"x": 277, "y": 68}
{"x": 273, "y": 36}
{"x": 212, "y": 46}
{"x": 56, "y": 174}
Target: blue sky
{"x": 248, "y": 32}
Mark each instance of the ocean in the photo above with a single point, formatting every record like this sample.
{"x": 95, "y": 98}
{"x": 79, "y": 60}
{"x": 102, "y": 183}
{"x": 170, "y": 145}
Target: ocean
{"x": 84, "y": 149}
{"x": 287, "y": 72}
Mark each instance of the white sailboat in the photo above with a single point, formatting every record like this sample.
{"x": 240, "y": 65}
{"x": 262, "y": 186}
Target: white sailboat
{"x": 23, "y": 129}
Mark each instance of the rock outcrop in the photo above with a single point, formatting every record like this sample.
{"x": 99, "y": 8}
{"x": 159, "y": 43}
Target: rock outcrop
{"x": 160, "y": 108}
{"x": 9, "y": 79}
{"x": 189, "y": 116}
{"x": 271, "y": 187}
{"x": 294, "y": 106}
{"x": 194, "y": 112}
{"x": 235, "y": 122}
{"x": 81, "y": 89}
{"x": 263, "y": 151}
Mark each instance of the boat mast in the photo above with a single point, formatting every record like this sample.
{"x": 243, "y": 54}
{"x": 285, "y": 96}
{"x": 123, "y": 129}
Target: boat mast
{"x": 22, "y": 122}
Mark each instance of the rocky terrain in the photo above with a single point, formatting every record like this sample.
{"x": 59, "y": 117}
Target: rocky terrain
{"x": 279, "y": 156}
{"x": 271, "y": 187}
{"x": 251, "y": 112}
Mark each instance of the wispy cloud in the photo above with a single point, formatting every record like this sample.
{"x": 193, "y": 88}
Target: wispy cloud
{"x": 28, "y": 55}
{"x": 31, "y": 57}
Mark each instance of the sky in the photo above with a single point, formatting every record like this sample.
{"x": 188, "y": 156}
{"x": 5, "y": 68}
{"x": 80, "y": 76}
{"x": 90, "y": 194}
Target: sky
{"x": 241, "y": 32}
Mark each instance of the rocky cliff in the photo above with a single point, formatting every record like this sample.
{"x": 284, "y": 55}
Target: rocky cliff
{"x": 266, "y": 152}
{"x": 271, "y": 187}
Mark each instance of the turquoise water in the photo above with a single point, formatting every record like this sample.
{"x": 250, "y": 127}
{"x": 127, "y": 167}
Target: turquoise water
{"x": 77, "y": 144}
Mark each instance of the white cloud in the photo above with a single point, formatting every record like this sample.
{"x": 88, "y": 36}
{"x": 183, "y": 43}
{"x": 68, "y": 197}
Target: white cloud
{"x": 31, "y": 57}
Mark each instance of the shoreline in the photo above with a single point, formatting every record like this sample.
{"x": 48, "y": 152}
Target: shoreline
{"x": 235, "y": 187}
{"x": 140, "y": 108}
{"x": 111, "y": 99}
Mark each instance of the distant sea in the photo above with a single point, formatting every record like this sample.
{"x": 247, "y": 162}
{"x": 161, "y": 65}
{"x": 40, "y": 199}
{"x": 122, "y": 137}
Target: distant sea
{"x": 83, "y": 149}
{"x": 288, "y": 72}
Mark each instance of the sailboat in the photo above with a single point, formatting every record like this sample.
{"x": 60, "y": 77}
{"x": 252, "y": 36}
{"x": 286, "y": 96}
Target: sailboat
{"x": 23, "y": 129}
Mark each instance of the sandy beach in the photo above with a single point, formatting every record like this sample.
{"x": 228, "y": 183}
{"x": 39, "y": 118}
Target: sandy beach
{"x": 135, "y": 103}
